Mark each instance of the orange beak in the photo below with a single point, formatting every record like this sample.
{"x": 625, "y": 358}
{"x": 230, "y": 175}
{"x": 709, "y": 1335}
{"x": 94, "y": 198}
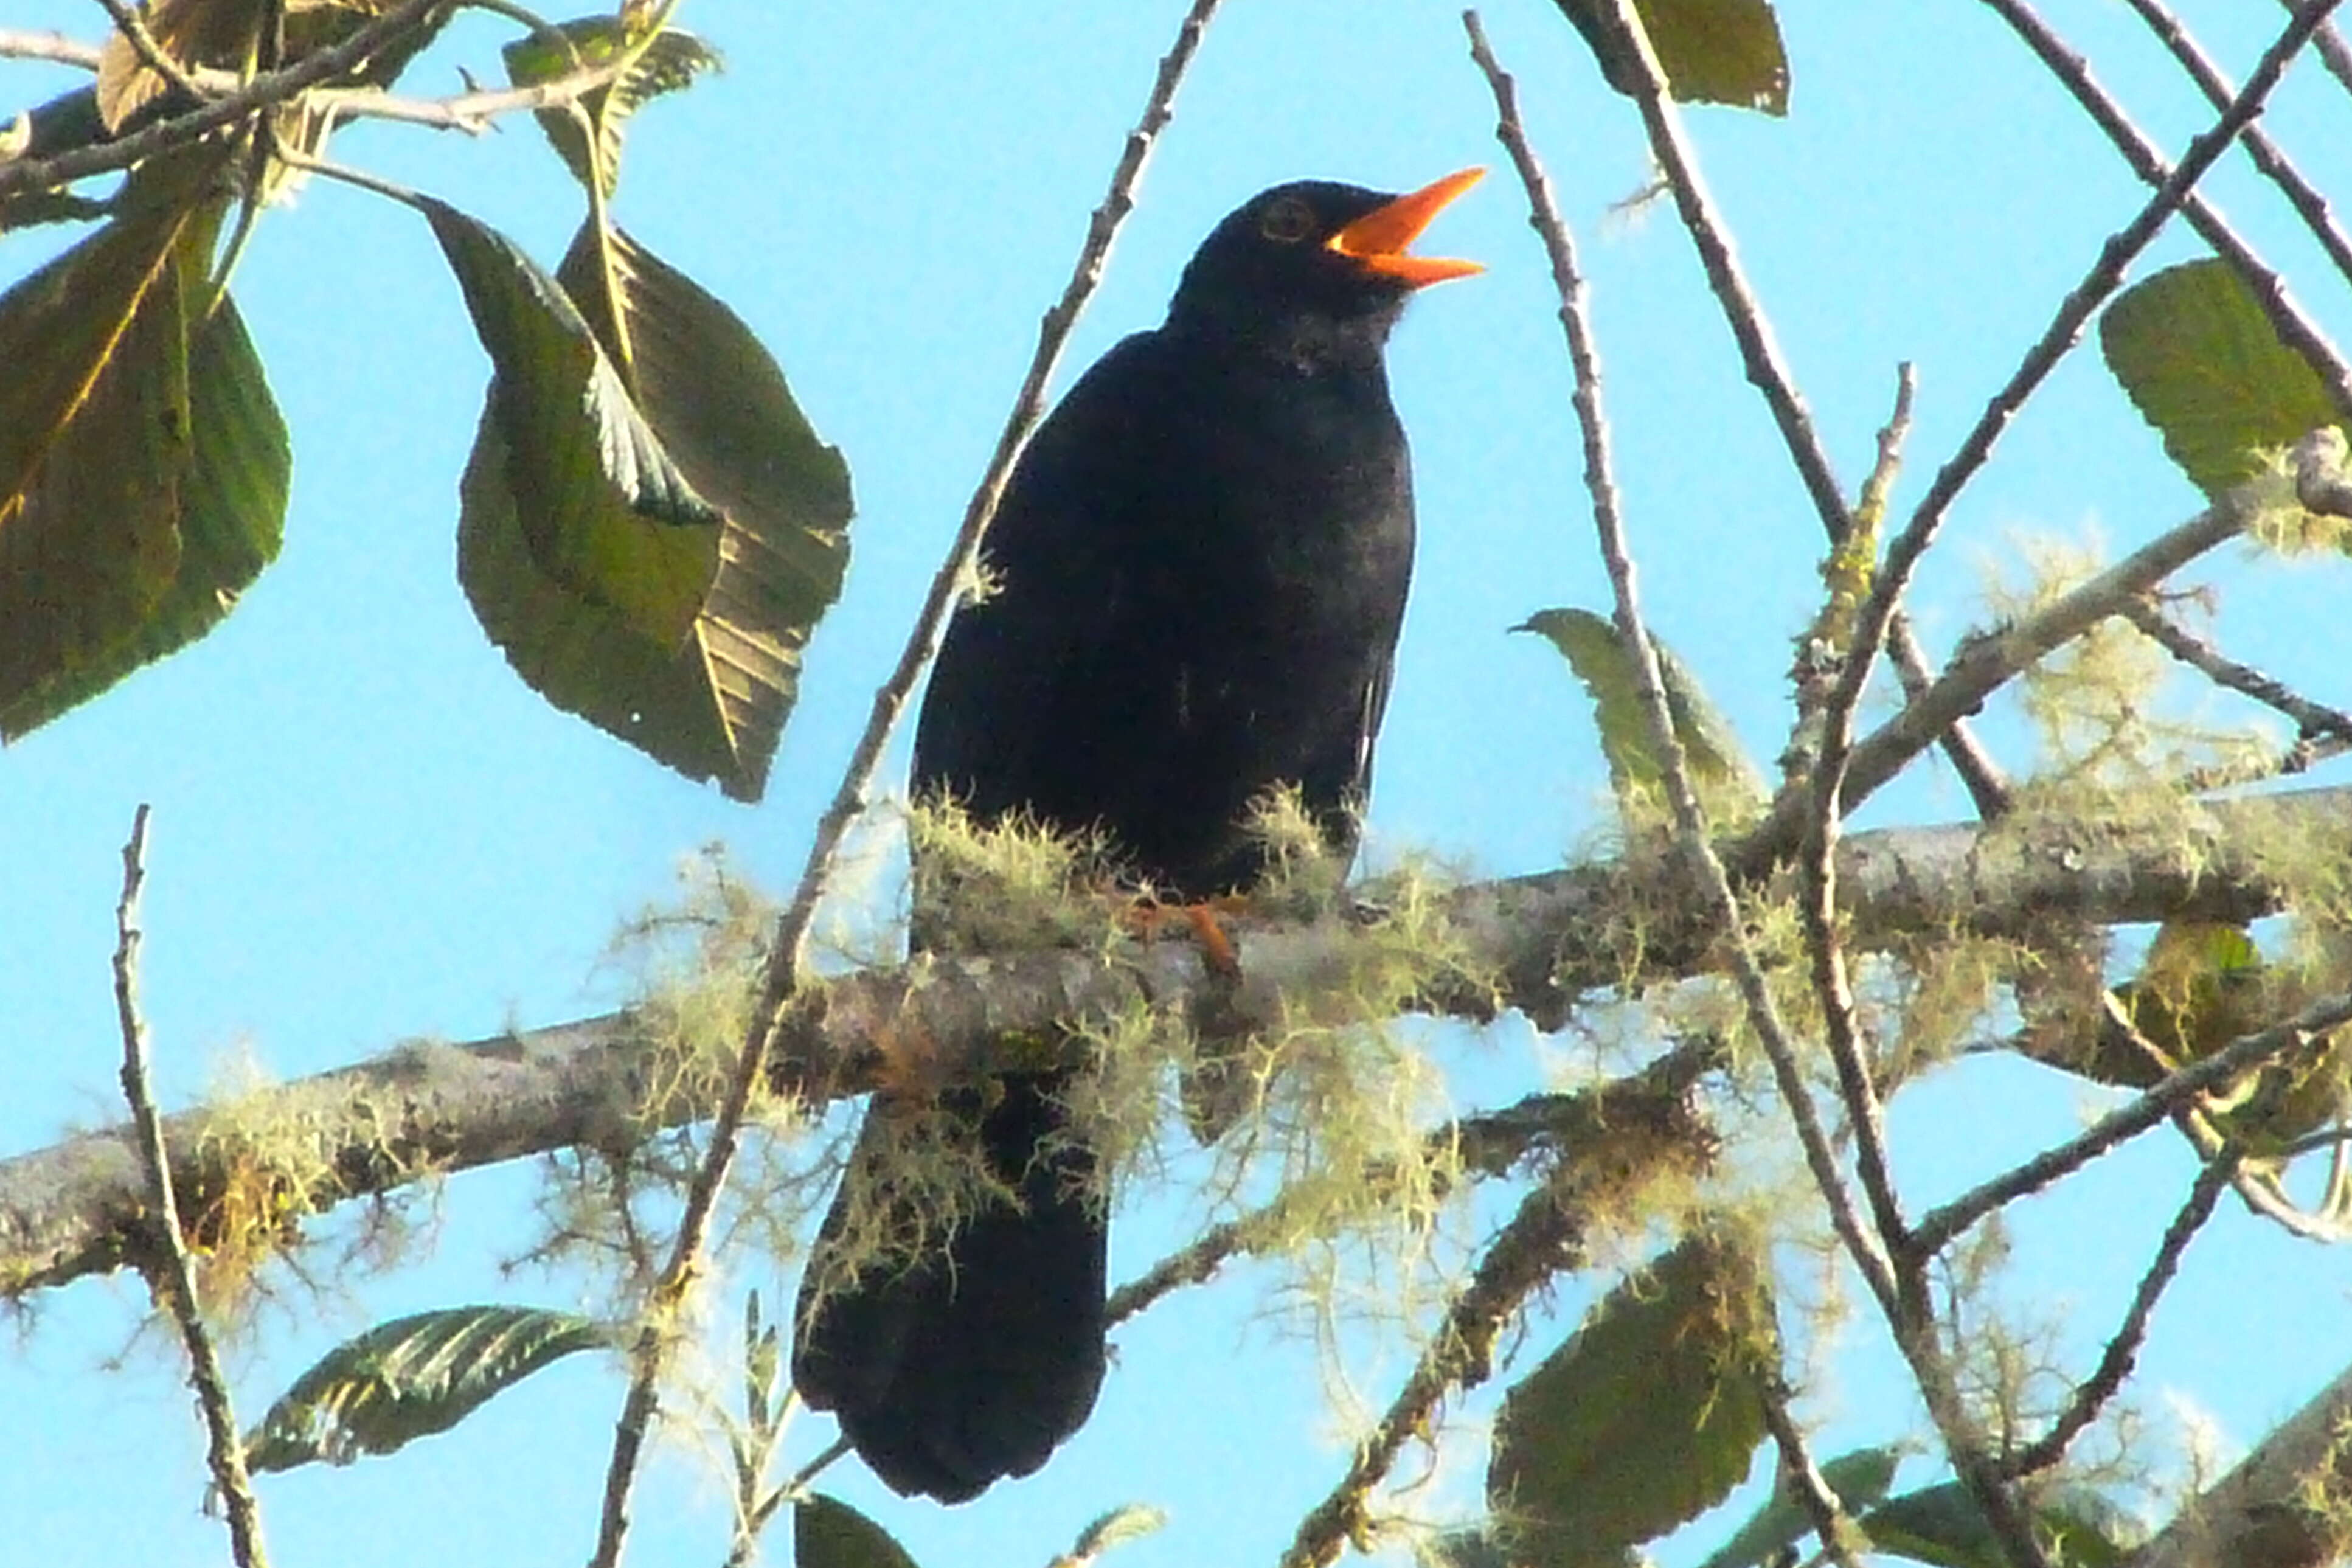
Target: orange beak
{"x": 1377, "y": 240}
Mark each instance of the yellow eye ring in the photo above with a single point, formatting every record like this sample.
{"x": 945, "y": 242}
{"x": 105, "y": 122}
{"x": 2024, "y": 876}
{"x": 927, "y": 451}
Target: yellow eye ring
{"x": 1288, "y": 221}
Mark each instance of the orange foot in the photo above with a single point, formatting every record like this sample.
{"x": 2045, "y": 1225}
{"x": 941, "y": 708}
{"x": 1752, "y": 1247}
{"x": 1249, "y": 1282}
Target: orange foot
{"x": 1148, "y": 914}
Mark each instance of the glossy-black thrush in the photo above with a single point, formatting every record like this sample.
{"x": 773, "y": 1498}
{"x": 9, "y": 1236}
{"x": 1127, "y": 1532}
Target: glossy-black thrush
{"x": 1201, "y": 566}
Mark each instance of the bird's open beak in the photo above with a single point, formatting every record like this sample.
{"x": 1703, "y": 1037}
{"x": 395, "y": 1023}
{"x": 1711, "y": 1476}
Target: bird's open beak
{"x": 1377, "y": 240}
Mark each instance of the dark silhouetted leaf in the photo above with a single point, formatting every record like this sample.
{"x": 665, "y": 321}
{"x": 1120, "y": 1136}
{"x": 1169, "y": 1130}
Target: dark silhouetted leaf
{"x": 2199, "y": 360}
{"x": 670, "y": 63}
{"x": 1712, "y": 51}
{"x": 1727, "y": 783}
{"x": 829, "y": 1533}
{"x": 1943, "y": 1525}
{"x": 1647, "y": 1415}
{"x": 1859, "y": 1478}
{"x": 715, "y": 707}
{"x": 410, "y": 1378}
{"x": 602, "y": 508}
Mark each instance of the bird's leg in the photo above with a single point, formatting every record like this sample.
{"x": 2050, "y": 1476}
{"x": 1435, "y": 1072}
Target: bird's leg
{"x": 1149, "y": 913}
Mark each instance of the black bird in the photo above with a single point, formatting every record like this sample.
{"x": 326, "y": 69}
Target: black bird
{"x": 1202, "y": 559}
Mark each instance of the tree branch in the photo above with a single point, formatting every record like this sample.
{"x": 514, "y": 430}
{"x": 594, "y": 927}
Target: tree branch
{"x": 1545, "y": 1237}
{"x": 173, "y": 1275}
{"x": 261, "y": 92}
{"x": 2282, "y": 1507}
{"x": 2288, "y": 319}
{"x": 76, "y": 1207}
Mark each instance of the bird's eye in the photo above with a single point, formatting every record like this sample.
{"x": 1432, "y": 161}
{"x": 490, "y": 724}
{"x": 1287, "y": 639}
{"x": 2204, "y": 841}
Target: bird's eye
{"x": 1288, "y": 221}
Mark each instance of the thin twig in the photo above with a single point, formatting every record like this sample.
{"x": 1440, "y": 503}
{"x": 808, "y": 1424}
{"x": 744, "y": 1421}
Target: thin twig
{"x": 1938, "y": 1227}
{"x": 783, "y": 970}
{"x": 1689, "y": 816}
{"x": 18, "y": 44}
{"x": 1491, "y": 1144}
{"x": 1914, "y": 1331}
{"x": 171, "y": 1275}
{"x": 1768, "y": 374}
{"x": 2106, "y": 274}
{"x": 1545, "y": 1237}
{"x": 151, "y": 54}
{"x": 2288, "y": 319}
{"x": 1802, "y": 1478}
{"x": 277, "y": 87}
{"x": 1857, "y": 1086}
{"x": 1990, "y": 660}
{"x": 2123, "y": 1350}
{"x": 2306, "y": 199}
{"x": 2333, "y": 50}
{"x": 2313, "y": 720}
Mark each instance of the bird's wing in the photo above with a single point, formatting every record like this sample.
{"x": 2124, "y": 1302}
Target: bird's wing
{"x": 985, "y": 731}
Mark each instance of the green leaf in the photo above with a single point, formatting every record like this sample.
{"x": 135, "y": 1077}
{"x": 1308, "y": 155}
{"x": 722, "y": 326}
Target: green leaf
{"x": 101, "y": 466}
{"x": 829, "y": 1533}
{"x": 715, "y": 707}
{"x": 1712, "y": 51}
{"x": 1646, "y": 1416}
{"x": 1942, "y": 1525}
{"x": 1727, "y": 783}
{"x": 1859, "y": 1478}
{"x": 2203, "y": 985}
{"x": 232, "y": 519}
{"x": 2200, "y": 362}
{"x": 602, "y": 508}
{"x": 670, "y": 64}
{"x": 410, "y": 1378}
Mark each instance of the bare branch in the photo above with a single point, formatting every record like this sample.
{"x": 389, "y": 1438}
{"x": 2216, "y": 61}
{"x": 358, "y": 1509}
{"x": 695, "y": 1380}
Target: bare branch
{"x": 2313, "y": 720}
{"x": 78, "y": 1207}
{"x": 171, "y": 1275}
{"x": 261, "y": 92}
{"x": 16, "y": 44}
{"x": 1689, "y": 817}
{"x": 2269, "y": 291}
{"x": 2333, "y": 51}
{"x": 2123, "y": 1350}
{"x": 2301, "y": 194}
{"x": 1802, "y": 1478}
{"x": 1938, "y": 1228}
{"x": 782, "y": 979}
{"x": 1768, "y": 374}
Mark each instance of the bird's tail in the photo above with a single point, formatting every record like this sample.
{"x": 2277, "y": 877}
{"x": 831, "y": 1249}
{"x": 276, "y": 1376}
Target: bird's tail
{"x": 975, "y": 1357}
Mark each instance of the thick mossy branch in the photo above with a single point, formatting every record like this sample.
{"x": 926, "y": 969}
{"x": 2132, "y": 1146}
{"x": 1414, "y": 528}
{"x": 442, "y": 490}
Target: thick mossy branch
{"x": 71, "y": 1209}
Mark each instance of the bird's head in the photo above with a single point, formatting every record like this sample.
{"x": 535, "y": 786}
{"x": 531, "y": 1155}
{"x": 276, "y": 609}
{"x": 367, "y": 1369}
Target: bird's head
{"x": 1315, "y": 250}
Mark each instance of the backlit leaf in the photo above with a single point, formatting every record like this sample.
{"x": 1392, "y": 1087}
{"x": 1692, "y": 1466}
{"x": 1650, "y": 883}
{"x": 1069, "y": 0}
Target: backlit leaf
{"x": 2201, "y": 363}
{"x": 1712, "y": 51}
{"x": 1649, "y": 1414}
{"x": 602, "y": 508}
{"x": 714, "y": 707}
{"x": 410, "y": 1378}
{"x": 1727, "y": 782}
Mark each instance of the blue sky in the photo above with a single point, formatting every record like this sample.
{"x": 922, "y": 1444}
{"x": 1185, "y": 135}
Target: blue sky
{"x": 368, "y": 829}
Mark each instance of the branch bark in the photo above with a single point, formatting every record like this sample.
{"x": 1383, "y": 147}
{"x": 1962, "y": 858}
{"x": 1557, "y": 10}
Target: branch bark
{"x": 76, "y": 1208}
